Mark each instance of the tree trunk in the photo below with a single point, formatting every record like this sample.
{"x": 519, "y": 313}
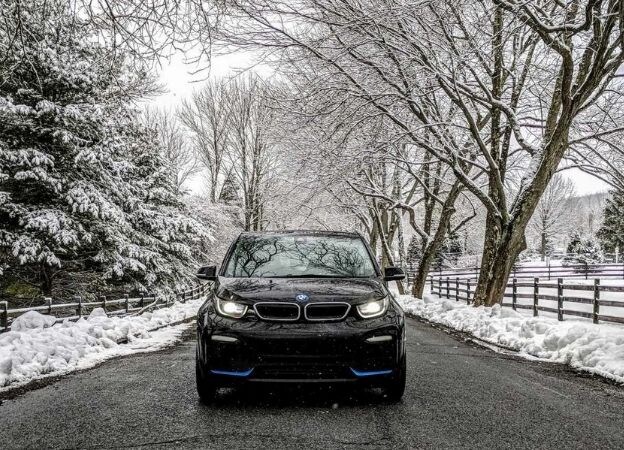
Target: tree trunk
{"x": 45, "y": 277}
{"x": 496, "y": 268}
{"x": 431, "y": 247}
{"x": 420, "y": 279}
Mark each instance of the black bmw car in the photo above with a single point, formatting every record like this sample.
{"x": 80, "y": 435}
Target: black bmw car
{"x": 300, "y": 307}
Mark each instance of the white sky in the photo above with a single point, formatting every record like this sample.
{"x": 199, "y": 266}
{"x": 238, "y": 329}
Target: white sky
{"x": 180, "y": 83}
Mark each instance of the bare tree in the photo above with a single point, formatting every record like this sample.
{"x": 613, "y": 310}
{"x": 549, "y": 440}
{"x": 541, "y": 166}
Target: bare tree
{"x": 551, "y": 215}
{"x": 521, "y": 76}
{"x": 252, "y": 149}
{"x": 174, "y": 145}
{"x": 207, "y": 115}
{"x": 232, "y": 122}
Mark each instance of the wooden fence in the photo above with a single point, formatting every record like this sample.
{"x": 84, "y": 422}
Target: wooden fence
{"x": 461, "y": 289}
{"x": 586, "y": 271}
{"x": 77, "y": 308}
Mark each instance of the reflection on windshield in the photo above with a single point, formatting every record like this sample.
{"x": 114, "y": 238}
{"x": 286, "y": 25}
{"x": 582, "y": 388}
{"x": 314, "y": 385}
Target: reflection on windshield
{"x": 299, "y": 256}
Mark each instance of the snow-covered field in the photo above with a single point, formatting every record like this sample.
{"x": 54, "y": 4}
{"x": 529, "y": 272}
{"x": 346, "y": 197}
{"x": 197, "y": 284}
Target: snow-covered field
{"x": 593, "y": 348}
{"x": 36, "y": 348}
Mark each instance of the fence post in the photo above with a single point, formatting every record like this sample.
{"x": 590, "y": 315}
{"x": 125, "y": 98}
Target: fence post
{"x": 48, "y": 302}
{"x": 456, "y": 289}
{"x": 431, "y": 279}
{"x": 127, "y": 298}
{"x": 596, "y": 301}
{"x": 78, "y": 299}
{"x": 103, "y": 300}
{"x": 183, "y": 296}
{"x": 4, "y": 315}
{"x": 514, "y": 293}
{"x": 560, "y": 299}
{"x": 448, "y": 287}
{"x": 548, "y": 270}
{"x": 535, "y": 296}
{"x": 468, "y": 291}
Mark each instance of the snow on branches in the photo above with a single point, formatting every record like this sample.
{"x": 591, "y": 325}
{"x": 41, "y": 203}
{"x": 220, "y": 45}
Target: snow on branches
{"x": 83, "y": 186}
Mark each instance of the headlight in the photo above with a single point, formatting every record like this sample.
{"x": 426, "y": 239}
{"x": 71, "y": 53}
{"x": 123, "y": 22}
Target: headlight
{"x": 372, "y": 309}
{"x": 229, "y": 308}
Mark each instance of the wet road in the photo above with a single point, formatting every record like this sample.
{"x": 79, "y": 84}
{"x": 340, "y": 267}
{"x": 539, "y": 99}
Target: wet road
{"x": 458, "y": 396}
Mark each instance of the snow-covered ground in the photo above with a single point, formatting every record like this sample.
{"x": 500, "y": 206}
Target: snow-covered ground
{"x": 36, "y": 348}
{"x": 593, "y": 348}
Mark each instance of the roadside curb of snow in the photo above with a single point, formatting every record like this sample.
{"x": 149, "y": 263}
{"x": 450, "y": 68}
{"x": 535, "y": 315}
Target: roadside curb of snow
{"x": 18, "y": 388}
{"x": 516, "y": 354}
{"x": 172, "y": 324}
{"x": 469, "y": 337}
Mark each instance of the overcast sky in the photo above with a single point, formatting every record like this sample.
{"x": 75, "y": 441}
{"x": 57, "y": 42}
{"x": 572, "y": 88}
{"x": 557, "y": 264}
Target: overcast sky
{"x": 180, "y": 83}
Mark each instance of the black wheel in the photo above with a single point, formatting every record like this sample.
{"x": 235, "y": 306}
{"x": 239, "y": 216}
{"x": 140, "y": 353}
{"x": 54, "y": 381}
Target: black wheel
{"x": 393, "y": 391}
{"x": 205, "y": 388}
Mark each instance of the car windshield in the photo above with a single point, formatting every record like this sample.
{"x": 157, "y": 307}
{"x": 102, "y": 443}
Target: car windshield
{"x": 300, "y": 256}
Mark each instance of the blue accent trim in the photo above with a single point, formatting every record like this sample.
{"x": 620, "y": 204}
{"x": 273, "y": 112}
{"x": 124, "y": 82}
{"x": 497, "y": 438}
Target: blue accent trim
{"x": 370, "y": 373}
{"x": 243, "y": 373}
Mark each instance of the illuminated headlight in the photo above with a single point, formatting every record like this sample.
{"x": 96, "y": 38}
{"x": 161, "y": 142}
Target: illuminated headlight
{"x": 372, "y": 309}
{"x": 229, "y": 308}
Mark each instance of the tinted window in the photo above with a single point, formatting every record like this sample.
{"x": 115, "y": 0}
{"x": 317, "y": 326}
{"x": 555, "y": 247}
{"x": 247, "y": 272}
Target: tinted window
{"x": 299, "y": 256}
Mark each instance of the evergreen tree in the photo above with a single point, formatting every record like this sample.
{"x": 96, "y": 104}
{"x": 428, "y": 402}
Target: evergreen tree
{"x": 230, "y": 192}
{"x": 583, "y": 251}
{"x": 414, "y": 250}
{"x": 575, "y": 245}
{"x": 82, "y": 185}
{"x": 611, "y": 234}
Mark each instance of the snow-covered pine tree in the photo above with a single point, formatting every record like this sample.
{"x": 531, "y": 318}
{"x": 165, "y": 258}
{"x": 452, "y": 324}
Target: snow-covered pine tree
{"x": 414, "y": 250}
{"x": 611, "y": 234}
{"x": 82, "y": 186}
{"x": 585, "y": 251}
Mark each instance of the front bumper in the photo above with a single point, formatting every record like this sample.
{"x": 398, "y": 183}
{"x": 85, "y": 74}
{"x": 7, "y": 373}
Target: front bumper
{"x": 352, "y": 350}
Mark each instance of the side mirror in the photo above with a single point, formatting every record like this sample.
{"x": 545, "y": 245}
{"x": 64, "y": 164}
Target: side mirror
{"x": 208, "y": 273}
{"x": 393, "y": 274}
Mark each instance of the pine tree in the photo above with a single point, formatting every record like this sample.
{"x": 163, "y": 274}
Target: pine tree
{"x": 82, "y": 186}
{"x": 611, "y": 234}
{"x": 583, "y": 251}
{"x": 229, "y": 191}
{"x": 414, "y": 250}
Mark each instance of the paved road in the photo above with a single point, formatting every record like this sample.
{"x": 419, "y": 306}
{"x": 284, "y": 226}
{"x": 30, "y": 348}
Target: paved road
{"x": 458, "y": 395}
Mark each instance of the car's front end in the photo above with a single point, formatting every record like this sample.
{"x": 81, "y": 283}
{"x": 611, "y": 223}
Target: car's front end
{"x": 287, "y": 341}
{"x": 325, "y": 329}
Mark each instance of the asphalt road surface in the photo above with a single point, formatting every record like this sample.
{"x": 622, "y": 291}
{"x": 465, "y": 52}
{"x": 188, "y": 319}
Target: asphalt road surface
{"x": 458, "y": 396}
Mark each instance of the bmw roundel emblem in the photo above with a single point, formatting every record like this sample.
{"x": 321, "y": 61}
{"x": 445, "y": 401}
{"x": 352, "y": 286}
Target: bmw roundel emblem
{"x": 302, "y": 298}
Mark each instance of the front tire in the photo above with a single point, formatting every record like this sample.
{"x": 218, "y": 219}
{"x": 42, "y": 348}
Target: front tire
{"x": 205, "y": 388}
{"x": 395, "y": 388}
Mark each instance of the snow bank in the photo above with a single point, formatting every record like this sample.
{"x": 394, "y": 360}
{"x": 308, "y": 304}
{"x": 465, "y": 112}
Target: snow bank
{"x": 593, "y": 348}
{"x": 35, "y": 347}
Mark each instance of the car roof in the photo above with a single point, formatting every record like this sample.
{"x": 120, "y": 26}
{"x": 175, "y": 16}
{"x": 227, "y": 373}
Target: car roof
{"x": 302, "y": 233}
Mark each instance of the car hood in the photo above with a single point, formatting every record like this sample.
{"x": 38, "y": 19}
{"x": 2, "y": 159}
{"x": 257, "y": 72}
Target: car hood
{"x": 351, "y": 290}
